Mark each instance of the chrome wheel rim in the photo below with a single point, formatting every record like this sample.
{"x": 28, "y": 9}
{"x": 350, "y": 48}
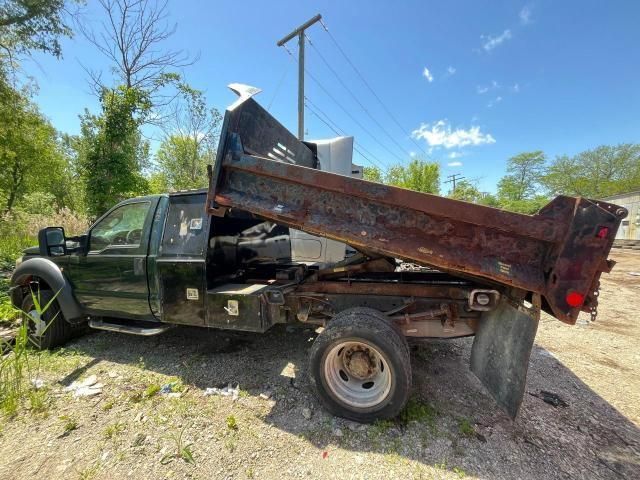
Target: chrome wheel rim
{"x": 357, "y": 374}
{"x": 36, "y": 324}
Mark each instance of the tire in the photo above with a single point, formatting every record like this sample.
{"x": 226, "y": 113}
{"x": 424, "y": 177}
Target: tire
{"x": 57, "y": 331}
{"x": 360, "y": 366}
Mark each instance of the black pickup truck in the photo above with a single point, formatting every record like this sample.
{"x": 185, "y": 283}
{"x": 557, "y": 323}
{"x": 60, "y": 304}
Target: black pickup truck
{"x": 221, "y": 258}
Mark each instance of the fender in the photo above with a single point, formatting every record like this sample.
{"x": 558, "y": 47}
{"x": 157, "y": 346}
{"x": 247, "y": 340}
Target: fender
{"x": 49, "y": 272}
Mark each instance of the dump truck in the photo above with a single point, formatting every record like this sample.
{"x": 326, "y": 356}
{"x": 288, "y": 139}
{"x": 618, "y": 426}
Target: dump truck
{"x": 221, "y": 258}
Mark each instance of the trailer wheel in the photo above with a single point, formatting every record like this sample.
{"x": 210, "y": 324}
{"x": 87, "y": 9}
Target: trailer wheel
{"x": 48, "y": 330}
{"x": 360, "y": 366}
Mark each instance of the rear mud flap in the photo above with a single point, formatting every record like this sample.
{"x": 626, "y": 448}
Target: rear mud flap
{"x": 501, "y": 351}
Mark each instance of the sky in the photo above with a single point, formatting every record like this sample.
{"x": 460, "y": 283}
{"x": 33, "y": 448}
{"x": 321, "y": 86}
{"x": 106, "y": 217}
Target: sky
{"x": 468, "y": 83}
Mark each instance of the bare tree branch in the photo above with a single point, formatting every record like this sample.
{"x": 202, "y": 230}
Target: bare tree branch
{"x": 130, "y": 38}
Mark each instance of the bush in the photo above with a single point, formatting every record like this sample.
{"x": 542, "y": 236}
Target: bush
{"x": 19, "y": 230}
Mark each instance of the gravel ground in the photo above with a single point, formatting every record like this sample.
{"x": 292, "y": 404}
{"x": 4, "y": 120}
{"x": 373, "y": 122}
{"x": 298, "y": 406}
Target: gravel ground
{"x": 276, "y": 428}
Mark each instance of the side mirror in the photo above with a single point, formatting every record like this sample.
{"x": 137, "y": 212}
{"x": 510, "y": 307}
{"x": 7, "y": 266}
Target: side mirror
{"x": 52, "y": 242}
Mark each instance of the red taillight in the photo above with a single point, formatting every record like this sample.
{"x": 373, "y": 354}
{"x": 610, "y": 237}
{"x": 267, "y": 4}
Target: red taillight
{"x": 603, "y": 232}
{"x": 574, "y": 299}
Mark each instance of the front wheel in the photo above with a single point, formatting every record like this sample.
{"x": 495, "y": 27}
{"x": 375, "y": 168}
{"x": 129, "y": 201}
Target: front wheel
{"x": 45, "y": 329}
{"x": 360, "y": 366}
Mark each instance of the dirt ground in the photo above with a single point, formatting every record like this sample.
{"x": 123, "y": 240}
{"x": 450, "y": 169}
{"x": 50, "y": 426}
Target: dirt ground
{"x": 276, "y": 428}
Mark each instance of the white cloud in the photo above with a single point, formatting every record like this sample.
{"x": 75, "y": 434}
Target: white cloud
{"x": 515, "y": 88}
{"x": 453, "y": 155}
{"x": 454, "y": 164}
{"x": 495, "y": 101}
{"x": 485, "y": 88}
{"x": 525, "y": 15}
{"x": 450, "y": 70}
{"x": 427, "y": 74}
{"x": 489, "y": 42}
{"x": 440, "y": 134}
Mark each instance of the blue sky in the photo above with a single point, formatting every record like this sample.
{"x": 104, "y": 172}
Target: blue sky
{"x": 471, "y": 82}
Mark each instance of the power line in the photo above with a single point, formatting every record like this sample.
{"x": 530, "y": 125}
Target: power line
{"x": 338, "y": 131}
{"x": 279, "y": 84}
{"x": 341, "y": 131}
{"x": 346, "y": 87}
{"x": 364, "y": 80}
{"x": 355, "y": 120}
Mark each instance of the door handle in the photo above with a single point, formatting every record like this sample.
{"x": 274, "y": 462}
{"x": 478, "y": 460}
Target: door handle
{"x": 138, "y": 266}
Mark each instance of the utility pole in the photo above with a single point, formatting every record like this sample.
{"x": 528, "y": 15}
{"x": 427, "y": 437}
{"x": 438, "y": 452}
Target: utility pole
{"x": 299, "y": 32}
{"x": 453, "y": 179}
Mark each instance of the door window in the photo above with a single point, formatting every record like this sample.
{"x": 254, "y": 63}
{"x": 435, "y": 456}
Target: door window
{"x": 120, "y": 228}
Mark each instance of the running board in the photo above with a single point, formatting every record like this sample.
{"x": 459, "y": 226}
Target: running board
{"x": 130, "y": 329}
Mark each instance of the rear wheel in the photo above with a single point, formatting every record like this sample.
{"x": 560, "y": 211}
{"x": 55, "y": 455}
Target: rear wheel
{"x": 360, "y": 366}
{"x": 48, "y": 329}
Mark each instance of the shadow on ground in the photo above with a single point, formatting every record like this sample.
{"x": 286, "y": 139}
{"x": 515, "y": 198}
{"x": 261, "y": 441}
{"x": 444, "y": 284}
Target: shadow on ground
{"x": 588, "y": 438}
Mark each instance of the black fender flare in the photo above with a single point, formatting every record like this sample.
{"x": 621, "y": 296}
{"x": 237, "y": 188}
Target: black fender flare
{"x": 50, "y": 273}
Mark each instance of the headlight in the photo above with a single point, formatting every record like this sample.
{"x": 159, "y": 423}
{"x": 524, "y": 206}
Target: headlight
{"x": 18, "y": 261}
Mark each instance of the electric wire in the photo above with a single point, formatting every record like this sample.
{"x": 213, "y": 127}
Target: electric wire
{"x": 355, "y": 98}
{"x": 349, "y": 114}
{"x": 355, "y": 148}
{"x": 278, "y": 85}
{"x": 317, "y": 111}
{"x": 370, "y": 88}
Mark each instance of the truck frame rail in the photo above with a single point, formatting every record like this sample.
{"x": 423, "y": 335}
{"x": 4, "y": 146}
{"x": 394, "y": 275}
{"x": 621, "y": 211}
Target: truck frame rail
{"x": 558, "y": 253}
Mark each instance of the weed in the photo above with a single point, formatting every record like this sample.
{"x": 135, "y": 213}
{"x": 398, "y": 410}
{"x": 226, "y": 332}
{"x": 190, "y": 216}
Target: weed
{"x": 230, "y": 444}
{"x": 69, "y": 424}
{"x": 380, "y": 427}
{"x": 140, "y": 364}
{"x": 232, "y": 424}
{"x": 182, "y": 450}
{"x": 465, "y": 428}
{"x": 460, "y": 472}
{"x": 418, "y": 411}
{"x": 38, "y": 400}
{"x": 250, "y": 472}
{"x": 243, "y": 393}
{"x": 89, "y": 472}
{"x": 15, "y": 370}
{"x": 114, "y": 429}
{"x": 108, "y": 405}
{"x": 151, "y": 390}
{"x": 136, "y": 397}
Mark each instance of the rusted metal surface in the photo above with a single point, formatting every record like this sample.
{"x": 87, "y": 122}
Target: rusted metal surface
{"x": 559, "y": 250}
{"x": 386, "y": 289}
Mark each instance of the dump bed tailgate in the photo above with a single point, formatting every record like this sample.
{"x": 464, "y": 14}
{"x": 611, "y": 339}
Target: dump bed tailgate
{"x": 559, "y": 252}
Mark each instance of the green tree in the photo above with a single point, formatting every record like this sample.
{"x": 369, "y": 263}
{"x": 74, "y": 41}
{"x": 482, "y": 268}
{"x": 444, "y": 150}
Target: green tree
{"x": 373, "y": 174}
{"x": 112, "y": 152}
{"x": 28, "y": 25}
{"x": 183, "y": 163}
{"x": 467, "y": 191}
{"x": 518, "y": 190}
{"x": 191, "y": 135}
{"x": 524, "y": 172}
{"x": 31, "y": 158}
{"x": 602, "y": 171}
{"x": 419, "y": 175}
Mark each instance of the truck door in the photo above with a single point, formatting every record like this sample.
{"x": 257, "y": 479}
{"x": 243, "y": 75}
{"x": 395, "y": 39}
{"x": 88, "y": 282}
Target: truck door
{"x": 111, "y": 278}
{"x": 181, "y": 261}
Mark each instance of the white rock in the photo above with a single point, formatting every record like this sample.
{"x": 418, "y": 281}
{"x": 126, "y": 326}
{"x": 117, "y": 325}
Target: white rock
{"x": 338, "y": 433}
{"x": 266, "y": 395}
{"x": 306, "y": 413}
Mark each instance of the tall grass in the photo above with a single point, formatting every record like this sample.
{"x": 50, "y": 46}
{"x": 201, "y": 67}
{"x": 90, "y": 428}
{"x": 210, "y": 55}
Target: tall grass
{"x": 17, "y": 373}
{"x": 19, "y": 230}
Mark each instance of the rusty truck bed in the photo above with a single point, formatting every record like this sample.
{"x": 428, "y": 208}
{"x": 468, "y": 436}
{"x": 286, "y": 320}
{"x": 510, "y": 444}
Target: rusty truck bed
{"x": 558, "y": 253}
